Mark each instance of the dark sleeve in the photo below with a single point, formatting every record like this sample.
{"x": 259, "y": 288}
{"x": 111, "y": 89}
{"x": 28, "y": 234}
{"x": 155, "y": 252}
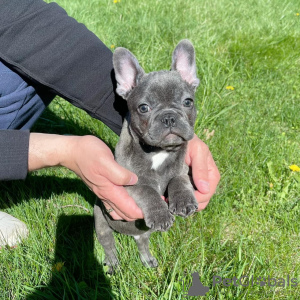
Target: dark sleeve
{"x": 13, "y": 154}
{"x": 41, "y": 42}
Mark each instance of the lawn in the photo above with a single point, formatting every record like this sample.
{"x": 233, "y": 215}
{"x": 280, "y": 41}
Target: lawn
{"x": 248, "y": 62}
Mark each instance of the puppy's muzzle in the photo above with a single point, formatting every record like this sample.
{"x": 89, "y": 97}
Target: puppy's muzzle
{"x": 169, "y": 120}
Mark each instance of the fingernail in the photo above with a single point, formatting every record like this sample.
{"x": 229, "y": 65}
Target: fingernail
{"x": 203, "y": 186}
{"x": 133, "y": 180}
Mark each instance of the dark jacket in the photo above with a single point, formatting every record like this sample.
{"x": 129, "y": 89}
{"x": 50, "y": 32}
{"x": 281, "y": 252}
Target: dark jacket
{"x": 41, "y": 42}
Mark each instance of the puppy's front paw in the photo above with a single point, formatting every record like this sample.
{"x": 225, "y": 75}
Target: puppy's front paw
{"x": 183, "y": 204}
{"x": 160, "y": 220}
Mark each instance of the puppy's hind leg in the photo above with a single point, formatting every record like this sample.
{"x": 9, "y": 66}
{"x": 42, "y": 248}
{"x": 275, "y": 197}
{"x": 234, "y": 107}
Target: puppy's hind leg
{"x": 105, "y": 238}
{"x": 143, "y": 244}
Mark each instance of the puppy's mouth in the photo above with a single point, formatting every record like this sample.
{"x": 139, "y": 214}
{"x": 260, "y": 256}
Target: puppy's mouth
{"x": 171, "y": 141}
{"x": 172, "y": 138}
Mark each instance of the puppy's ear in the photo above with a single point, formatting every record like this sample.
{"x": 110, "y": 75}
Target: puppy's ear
{"x": 128, "y": 71}
{"x": 183, "y": 61}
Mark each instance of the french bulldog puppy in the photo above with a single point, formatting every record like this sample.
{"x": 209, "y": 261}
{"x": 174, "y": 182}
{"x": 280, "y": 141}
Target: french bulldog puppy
{"x": 153, "y": 145}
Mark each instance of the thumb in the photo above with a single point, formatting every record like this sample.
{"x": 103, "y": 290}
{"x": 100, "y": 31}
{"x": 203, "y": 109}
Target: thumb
{"x": 118, "y": 175}
{"x": 200, "y": 174}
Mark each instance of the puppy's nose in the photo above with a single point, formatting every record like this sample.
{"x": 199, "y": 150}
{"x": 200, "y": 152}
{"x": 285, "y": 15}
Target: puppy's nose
{"x": 169, "y": 120}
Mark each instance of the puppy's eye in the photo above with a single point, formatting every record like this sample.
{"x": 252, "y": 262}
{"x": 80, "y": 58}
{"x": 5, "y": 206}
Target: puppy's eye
{"x": 143, "y": 108}
{"x": 188, "y": 102}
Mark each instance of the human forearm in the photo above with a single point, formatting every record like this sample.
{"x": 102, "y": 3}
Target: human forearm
{"x": 49, "y": 150}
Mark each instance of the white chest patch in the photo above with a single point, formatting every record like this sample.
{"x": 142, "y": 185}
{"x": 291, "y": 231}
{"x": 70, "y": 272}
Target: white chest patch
{"x": 158, "y": 159}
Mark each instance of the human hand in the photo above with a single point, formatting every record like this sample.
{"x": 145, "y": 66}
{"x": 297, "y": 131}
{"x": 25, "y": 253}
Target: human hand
{"x": 205, "y": 173}
{"x": 94, "y": 163}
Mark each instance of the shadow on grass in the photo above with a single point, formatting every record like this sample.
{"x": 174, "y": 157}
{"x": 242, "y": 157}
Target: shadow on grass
{"x": 81, "y": 276}
{"x": 51, "y": 123}
{"x": 41, "y": 187}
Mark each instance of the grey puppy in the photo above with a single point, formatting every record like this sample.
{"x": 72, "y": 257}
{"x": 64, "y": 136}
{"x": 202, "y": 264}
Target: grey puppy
{"x": 153, "y": 145}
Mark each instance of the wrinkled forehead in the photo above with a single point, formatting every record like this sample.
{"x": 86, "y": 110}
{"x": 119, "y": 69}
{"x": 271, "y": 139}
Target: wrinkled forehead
{"x": 165, "y": 85}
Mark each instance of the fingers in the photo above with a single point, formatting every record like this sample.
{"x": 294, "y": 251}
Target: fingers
{"x": 117, "y": 214}
{"x": 202, "y": 200}
{"x": 165, "y": 199}
{"x": 119, "y": 175}
{"x": 214, "y": 174}
{"x": 204, "y": 171}
{"x": 124, "y": 206}
{"x": 199, "y": 166}
{"x": 94, "y": 162}
{"x": 114, "y": 214}
{"x": 214, "y": 178}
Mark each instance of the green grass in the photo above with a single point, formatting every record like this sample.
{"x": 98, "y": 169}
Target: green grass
{"x": 251, "y": 226}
